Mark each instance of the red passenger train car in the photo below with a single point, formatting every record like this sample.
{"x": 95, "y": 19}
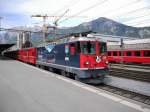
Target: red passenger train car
{"x": 133, "y": 51}
{"x": 27, "y": 55}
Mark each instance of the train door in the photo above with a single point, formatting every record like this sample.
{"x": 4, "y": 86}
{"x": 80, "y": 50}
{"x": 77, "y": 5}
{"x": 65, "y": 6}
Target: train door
{"x": 72, "y": 54}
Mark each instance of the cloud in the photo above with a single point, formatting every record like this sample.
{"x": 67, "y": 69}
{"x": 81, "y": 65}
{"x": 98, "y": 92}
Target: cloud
{"x": 119, "y": 10}
{"x": 11, "y": 6}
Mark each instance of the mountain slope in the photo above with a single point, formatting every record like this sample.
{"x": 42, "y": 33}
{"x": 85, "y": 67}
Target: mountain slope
{"x": 109, "y": 27}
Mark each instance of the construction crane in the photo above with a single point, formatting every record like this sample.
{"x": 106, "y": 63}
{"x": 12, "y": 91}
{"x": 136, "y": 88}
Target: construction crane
{"x": 45, "y": 27}
{"x": 56, "y": 21}
{"x": 44, "y": 24}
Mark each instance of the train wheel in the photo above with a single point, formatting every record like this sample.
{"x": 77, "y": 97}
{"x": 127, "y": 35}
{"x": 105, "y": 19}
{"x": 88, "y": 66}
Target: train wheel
{"x": 42, "y": 67}
{"x": 38, "y": 66}
{"x": 77, "y": 78}
{"x": 63, "y": 73}
{"x": 51, "y": 69}
{"x": 72, "y": 76}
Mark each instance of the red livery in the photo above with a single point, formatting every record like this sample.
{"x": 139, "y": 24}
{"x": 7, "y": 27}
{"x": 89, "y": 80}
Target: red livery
{"x": 133, "y": 51}
{"x": 27, "y": 55}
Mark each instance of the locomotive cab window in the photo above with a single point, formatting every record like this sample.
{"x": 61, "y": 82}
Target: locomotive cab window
{"x": 103, "y": 47}
{"x": 88, "y": 47}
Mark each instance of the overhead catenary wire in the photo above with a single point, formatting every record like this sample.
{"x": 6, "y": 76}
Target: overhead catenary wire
{"x": 136, "y": 18}
{"x": 136, "y": 10}
{"x": 86, "y": 9}
{"x": 67, "y": 6}
{"x": 97, "y": 4}
{"x": 126, "y": 13}
{"x": 140, "y": 22}
{"x": 121, "y": 7}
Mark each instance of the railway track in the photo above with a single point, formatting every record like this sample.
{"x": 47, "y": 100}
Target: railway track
{"x": 140, "y": 66}
{"x": 140, "y": 76}
{"x": 139, "y": 73}
{"x": 128, "y": 94}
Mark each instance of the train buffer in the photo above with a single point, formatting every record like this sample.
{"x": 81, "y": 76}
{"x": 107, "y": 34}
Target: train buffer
{"x": 25, "y": 88}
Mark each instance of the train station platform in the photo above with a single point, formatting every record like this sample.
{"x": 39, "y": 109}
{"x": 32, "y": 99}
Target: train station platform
{"x": 25, "y": 88}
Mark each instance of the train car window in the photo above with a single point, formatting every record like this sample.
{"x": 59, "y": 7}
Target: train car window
{"x": 128, "y": 53}
{"x": 137, "y": 53}
{"x": 114, "y": 53}
{"x": 109, "y": 53}
{"x": 88, "y": 47}
{"x": 147, "y": 53}
{"x": 103, "y": 47}
{"x": 120, "y": 53}
{"x": 72, "y": 49}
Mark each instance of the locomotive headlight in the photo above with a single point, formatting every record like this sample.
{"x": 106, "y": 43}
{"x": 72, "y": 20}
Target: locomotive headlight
{"x": 106, "y": 62}
{"x": 87, "y": 63}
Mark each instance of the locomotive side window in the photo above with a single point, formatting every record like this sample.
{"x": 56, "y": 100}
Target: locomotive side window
{"x": 128, "y": 53}
{"x": 67, "y": 50}
{"x": 137, "y": 53}
{"x": 103, "y": 47}
{"x": 88, "y": 47}
{"x": 72, "y": 49}
{"x": 147, "y": 53}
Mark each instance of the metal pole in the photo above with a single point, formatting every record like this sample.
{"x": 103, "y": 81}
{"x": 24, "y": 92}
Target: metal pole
{"x": 0, "y": 22}
{"x": 44, "y": 28}
{"x": 122, "y": 48}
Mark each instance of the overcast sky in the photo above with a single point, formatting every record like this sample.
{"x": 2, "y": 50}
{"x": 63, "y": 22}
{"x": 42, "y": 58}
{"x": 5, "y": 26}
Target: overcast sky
{"x": 130, "y": 12}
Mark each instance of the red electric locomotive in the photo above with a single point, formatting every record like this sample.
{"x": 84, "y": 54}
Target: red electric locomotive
{"x": 83, "y": 58}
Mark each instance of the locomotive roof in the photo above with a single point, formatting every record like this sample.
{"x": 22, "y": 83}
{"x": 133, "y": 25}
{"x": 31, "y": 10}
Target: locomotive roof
{"x": 73, "y": 39}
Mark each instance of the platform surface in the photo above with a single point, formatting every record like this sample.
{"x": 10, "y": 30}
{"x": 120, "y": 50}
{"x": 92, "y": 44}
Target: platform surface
{"x": 24, "y": 88}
